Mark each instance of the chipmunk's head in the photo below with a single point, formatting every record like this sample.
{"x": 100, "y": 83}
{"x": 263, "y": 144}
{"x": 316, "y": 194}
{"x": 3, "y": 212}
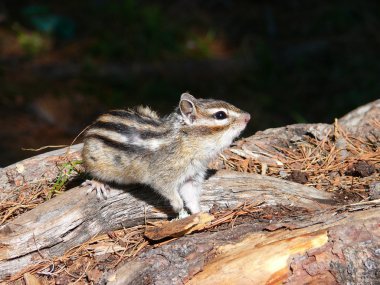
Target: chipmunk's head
{"x": 213, "y": 118}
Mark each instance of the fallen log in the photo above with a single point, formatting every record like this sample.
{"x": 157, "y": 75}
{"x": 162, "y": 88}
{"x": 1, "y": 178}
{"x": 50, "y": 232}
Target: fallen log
{"x": 333, "y": 247}
{"x": 74, "y": 217}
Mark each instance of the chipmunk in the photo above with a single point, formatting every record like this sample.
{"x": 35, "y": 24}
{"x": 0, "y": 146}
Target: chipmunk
{"x": 170, "y": 154}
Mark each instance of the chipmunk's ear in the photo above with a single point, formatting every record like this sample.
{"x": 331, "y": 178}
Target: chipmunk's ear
{"x": 187, "y": 107}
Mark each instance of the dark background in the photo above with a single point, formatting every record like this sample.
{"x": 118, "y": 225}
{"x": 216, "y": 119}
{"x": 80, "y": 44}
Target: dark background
{"x": 62, "y": 63}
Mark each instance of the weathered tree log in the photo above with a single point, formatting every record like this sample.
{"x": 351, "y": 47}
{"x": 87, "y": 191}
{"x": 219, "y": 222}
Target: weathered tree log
{"x": 73, "y": 217}
{"x": 333, "y": 247}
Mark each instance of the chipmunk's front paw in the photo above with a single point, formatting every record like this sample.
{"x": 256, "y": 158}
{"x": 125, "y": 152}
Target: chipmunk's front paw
{"x": 100, "y": 188}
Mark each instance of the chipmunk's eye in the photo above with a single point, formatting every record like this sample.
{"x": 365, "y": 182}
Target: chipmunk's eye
{"x": 220, "y": 115}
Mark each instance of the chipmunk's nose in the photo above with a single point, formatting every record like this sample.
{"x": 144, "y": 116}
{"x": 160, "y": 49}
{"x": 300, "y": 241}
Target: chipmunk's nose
{"x": 246, "y": 117}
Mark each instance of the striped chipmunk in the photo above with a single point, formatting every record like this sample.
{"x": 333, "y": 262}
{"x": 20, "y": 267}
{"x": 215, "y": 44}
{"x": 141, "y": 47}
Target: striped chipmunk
{"x": 170, "y": 154}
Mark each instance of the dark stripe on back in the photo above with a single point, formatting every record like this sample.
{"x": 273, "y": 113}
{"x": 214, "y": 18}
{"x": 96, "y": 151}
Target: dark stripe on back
{"x": 118, "y": 145}
{"x": 135, "y": 117}
{"x": 128, "y": 130}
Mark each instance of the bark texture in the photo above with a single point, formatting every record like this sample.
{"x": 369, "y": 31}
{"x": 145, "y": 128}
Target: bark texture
{"x": 329, "y": 248}
{"x": 74, "y": 217}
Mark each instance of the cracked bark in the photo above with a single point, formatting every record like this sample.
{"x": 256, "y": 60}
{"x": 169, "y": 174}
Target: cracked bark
{"x": 342, "y": 250}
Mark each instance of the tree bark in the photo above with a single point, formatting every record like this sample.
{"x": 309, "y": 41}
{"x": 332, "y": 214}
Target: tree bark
{"x": 74, "y": 217}
{"x": 333, "y": 247}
